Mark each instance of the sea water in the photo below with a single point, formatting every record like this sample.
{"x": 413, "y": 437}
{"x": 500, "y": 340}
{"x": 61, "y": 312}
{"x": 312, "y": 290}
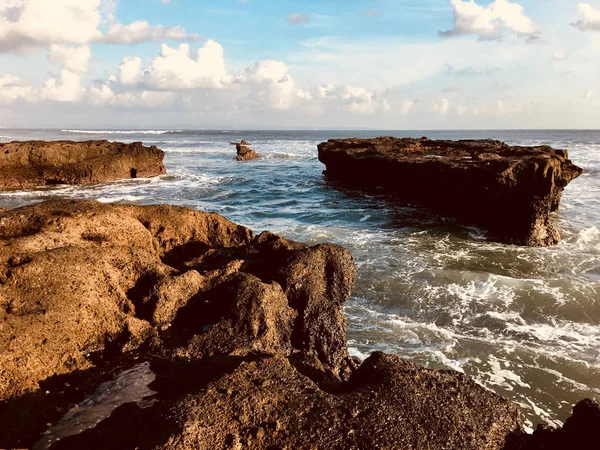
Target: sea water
{"x": 523, "y": 322}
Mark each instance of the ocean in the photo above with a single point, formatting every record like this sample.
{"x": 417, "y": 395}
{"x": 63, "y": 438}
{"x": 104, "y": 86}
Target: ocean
{"x": 523, "y": 322}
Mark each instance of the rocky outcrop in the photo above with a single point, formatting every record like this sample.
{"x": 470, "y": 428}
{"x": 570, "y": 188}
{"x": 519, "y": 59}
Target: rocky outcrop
{"x": 244, "y": 152}
{"x": 39, "y": 163}
{"x": 509, "y": 191}
{"x": 263, "y": 402}
{"x": 581, "y": 431}
{"x": 245, "y": 334}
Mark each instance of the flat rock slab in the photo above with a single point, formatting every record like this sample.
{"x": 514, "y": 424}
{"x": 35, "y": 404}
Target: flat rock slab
{"x": 31, "y": 164}
{"x": 509, "y": 191}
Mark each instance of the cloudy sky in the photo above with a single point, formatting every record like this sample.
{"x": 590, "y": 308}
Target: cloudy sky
{"x": 388, "y": 64}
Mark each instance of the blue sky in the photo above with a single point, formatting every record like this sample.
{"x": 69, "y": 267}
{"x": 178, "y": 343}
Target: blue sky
{"x": 300, "y": 63}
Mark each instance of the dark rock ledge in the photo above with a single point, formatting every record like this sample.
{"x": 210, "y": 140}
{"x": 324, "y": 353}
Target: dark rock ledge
{"x": 30, "y": 164}
{"x": 510, "y": 191}
{"x": 245, "y": 334}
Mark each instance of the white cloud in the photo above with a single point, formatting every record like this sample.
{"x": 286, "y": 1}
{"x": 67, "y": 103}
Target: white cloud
{"x": 558, "y": 56}
{"x": 296, "y": 18}
{"x": 101, "y": 93}
{"x": 489, "y": 22}
{"x": 64, "y": 88}
{"x": 130, "y": 71}
{"x": 406, "y": 107}
{"x": 29, "y": 24}
{"x": 178, "y": 68}
{"x": 590, "y": 20}
{"x": 268, "y": 82}
{"x": 356, "y": 100}
{"x": 75, "y": 59}
{"x": 142, "y": 31}
{"x": 442, "y": 107}
{"x": 36, "y": 23}
{"x": 13, "y": 88}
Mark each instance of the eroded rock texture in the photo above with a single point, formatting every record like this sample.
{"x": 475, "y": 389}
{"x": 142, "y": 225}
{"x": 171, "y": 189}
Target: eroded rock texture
{"x": 39, "y": 163}
{"x": 245, "y": 334}
{"x": 265, "y": 402}
{"x": 510, "y": 191}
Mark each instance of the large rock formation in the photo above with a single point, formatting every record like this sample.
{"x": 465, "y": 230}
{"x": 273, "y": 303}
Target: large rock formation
{"x": 510, "y": 191}
{"x": 245, "y": 334}
{"x": 39, "y": 163}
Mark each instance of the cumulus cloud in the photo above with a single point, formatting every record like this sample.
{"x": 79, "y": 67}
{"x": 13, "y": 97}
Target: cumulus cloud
{"x": 590, "y": 20}
{"x": 64, "y": 88}
{"x": 270, "y": 84}
{"x": 13, "y": 88}
{"x": 356, "y": 100}
{"x": 179, "y": 68}
{"x": 35, "y": 23}
{"x": 442, "y": 107}
{"x": 130, "y": 71}
{"x": 75, "y": 59}
{"x": 142, "y": 31}
{"x": 296, "y": 18}
{"x": 491, "y": 21}
{"x": 29, "y": 24}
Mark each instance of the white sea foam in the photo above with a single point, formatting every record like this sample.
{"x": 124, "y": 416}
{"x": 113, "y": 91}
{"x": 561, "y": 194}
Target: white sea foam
{"x": 121, "y": 131}
{"x": 589, "y": 236}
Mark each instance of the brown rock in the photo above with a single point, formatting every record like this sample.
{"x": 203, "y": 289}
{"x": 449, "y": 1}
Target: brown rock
{"x": 39, "y": 163}
{"x": 509, "y": 191}
{"x": 262, "y": 402}
{"x": 581, "y": 431}
{"x": 244, "y": 152}
{"x": 82, "y": 280}
{"x": 245, "y": 334}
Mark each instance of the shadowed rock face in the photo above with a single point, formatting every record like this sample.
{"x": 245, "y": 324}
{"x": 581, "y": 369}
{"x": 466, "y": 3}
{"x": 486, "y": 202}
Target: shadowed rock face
{"x": 245, "y": 334}
{"x": 510, "y": 191}
{"x": 39, "y": 163}
{"x": 264, "y": 402}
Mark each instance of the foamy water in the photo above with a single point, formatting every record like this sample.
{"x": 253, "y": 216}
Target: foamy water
{"x": 524, "y": 322}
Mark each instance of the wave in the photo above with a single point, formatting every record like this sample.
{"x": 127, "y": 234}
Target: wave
{"x": 122, "y": 131}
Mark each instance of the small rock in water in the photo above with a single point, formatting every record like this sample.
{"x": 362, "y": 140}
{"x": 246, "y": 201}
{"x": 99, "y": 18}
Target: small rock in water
{"x": 244, "y": 152}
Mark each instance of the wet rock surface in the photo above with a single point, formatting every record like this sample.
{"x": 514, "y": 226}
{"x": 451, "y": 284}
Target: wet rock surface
{"x": 245, "y": 334}
{"x": 509, "y": 191}
{"x": 40, "y": 163}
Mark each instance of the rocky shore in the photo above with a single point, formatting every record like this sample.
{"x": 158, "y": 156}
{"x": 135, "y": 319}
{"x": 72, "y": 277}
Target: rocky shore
{"x": 31, "y": 164}
{"x": 509, "y": 191}
{"x": 245, "y": 334}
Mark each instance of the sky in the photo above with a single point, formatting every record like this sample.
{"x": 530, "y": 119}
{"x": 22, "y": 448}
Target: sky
{"x": 384, "y": 64}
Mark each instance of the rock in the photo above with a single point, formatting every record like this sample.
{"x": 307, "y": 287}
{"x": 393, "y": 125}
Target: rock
{"x": 38, "y": 163}
{"x": 245, "y": 334}
{"x": 509, "y": 191}
{"x": 581, "y": 431}
{"x": 244, "y": 152}
{"x": 261, "y": 401}
{"x": 81, "y": 280}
